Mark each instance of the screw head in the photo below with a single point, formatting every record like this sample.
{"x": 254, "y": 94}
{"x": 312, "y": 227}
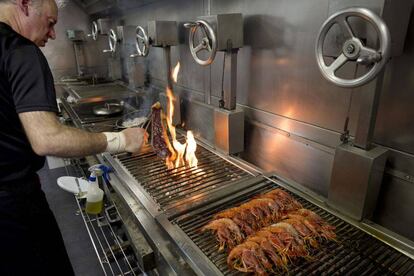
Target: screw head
{"x": 350, "y": 49}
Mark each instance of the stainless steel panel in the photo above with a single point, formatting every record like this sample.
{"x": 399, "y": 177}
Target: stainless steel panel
{"x": 59, "y": 52}
{"x": 277, "y": 70}
{"x": 395, "y": 122}
{"x": 229, "y": 130}
{"x": 192, "y": 76}
{"x": 356, "y": 180}
{"x": 395, "y": 206}
{"x": 273, "y": 150}
{"x": 228, "y": 28}
{"x": 163, "y": 33}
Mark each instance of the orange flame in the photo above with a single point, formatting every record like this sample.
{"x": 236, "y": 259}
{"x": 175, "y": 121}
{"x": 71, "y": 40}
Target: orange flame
{"x": 190, "y": 146}
{"x": 175, "y": 72}
{"x": 190, "y": 157}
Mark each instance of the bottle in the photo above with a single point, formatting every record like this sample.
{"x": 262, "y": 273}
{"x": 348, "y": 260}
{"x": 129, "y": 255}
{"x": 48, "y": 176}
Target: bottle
{"x": 94, "y": 198}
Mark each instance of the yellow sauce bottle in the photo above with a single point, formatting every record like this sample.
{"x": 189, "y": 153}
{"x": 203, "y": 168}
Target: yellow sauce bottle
{"x": 94, "y": 198}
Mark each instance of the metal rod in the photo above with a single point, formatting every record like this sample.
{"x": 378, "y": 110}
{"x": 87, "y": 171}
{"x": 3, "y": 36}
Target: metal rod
{"x": 90, "y": 236}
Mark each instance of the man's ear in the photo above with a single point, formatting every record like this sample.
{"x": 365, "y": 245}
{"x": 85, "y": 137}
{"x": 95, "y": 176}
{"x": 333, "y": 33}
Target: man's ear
{"x": 24, "y": 6}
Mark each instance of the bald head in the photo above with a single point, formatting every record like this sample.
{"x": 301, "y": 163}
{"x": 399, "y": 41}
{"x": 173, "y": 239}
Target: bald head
{"x": 33, "y": 19}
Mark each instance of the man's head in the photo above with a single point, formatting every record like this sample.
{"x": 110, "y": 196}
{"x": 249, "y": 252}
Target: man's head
{"x": 34, "y": 19}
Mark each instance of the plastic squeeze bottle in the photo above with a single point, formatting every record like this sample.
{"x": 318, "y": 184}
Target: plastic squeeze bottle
{"x": 94, "y": 198}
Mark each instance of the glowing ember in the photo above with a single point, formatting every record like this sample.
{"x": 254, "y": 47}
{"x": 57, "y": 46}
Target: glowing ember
{"x": 190, "y": 146}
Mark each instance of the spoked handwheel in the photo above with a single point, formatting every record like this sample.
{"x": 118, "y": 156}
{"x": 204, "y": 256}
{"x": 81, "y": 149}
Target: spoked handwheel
{"x": 353, "y": 49}
{"x": 142, "y": 43}
{"x": 112, "y": 39}
{"x": 208, "y": 41}
{"x": 94, "y": 31}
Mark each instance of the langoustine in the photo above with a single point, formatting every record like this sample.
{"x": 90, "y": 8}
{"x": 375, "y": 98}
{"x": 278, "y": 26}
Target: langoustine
{"x": 250, "y": 216}
{"x": 282, "y": 243}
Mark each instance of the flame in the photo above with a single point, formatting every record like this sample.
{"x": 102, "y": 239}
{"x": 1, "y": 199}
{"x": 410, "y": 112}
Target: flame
{"x": 190, "y": 157}
{"x": 175, "y": 72}
{"x": 190, "y": 146}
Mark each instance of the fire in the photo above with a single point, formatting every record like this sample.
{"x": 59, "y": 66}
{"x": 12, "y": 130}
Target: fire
{"x": 175, "y": 72}
{"x": 187, "y": 148}
{"x": 190, "y": 157}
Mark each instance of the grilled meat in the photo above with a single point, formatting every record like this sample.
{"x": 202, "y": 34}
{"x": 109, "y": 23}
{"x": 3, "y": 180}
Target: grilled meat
{"x": 160, "y": 141}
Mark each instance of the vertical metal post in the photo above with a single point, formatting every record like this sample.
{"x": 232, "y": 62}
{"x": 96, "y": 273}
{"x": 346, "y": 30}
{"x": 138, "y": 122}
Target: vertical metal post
{"x": 79, "y": 58}
{"x": 167, "y": 56}
{"x": 176, "y": 120}
{"x": 230, "y": 87}
{"x": 368, "y": 114}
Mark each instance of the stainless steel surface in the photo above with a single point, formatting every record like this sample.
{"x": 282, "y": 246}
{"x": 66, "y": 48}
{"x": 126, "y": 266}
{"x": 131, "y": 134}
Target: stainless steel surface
{"x": 356, "y": 180}
{"x": 167, "y": 59}
{"x": 229, "y": 130}
{"x": 228, "y": 29}
{"x": 294, "y": 116}
{"x": 168, "y": 261}
{"x": 163, "y": 33}
{"x": 368, "y": 114}
{"x": 353, "y": 49}
{"x": 207, "y": 42}
{"x": 395, "y": 13}
{"x": 108, "y": 109}
{"x": 104, "y": 26}
{"x": 355, "y": 252}
{"x": 109, "y": 249}
{"x": 99, "y": 92}
{"x": 230, "y": 79}
{"x": 161, "y": 189}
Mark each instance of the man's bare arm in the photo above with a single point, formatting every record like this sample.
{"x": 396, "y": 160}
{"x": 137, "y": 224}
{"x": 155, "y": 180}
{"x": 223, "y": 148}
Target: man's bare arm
{"x": 49, "y": 137}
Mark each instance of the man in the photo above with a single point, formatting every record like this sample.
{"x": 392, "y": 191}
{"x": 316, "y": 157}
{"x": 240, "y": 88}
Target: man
{"x": 30, "y": 241}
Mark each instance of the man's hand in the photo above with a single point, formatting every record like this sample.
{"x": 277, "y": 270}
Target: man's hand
{"x": 134, "y": 139}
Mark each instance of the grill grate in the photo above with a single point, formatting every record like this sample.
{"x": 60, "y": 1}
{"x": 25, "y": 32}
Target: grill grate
{"x": 170, "y": 186}
{"x": 355, "y": 253}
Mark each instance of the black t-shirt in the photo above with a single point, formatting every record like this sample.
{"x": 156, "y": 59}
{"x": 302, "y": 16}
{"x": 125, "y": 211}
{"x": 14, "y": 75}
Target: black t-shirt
{"x": 26, "y": 84}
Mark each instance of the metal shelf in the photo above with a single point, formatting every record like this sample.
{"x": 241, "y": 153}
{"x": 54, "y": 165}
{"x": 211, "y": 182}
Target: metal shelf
{"x": 111, "y": 249}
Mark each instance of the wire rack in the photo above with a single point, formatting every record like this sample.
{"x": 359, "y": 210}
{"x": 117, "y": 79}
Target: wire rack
{"x": 113, "y": 252}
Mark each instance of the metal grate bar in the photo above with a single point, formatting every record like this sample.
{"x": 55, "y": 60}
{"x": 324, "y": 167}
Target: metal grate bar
{"x": 170, "y": 186}
{"x": 355, "y": 252}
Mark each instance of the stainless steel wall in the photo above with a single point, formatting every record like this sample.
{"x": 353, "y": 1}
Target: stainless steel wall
{"x": 60, "y": 52}
{"x": 294, "y": 117}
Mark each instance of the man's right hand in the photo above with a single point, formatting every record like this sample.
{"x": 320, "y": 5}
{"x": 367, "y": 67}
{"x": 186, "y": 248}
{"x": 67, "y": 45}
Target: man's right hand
{"x": 134, "y": 139}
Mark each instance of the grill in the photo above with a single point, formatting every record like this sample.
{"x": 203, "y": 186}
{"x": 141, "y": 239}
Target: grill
{"x": 170, "y": 188}
{"x": 355, "y": 253}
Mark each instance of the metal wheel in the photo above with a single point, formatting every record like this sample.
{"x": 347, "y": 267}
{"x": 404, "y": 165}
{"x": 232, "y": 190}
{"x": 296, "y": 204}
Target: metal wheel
{"x": 141, "y": 43}
{"x": 112, "y": 39}
{"x": 94, "y": 31}
{"x": 208, "y": 42}
{"x": 353, "y": 49}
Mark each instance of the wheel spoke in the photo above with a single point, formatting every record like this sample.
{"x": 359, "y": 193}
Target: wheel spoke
{"x": 368, "y": 56}
{"x": 343, "y": 22}
{"x": 338, "y": 62}
{"x": 199, "y": 47}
